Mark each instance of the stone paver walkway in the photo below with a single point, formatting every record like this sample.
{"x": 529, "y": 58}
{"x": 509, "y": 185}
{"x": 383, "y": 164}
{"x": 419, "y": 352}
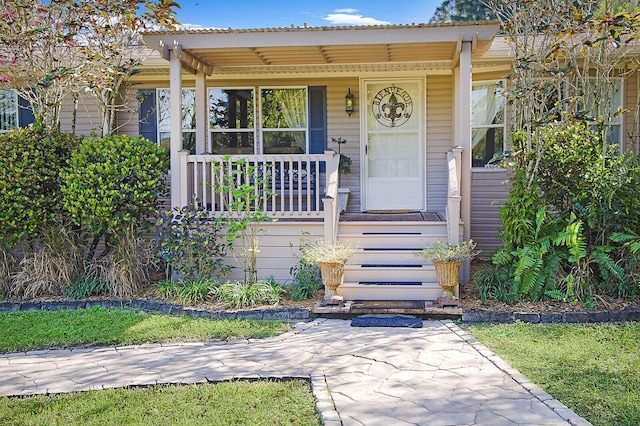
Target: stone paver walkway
{"x": 435, "y": 375}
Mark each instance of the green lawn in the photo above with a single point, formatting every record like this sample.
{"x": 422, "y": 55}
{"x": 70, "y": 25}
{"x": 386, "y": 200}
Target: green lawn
{"x": 27, "y": 330}
{"x": 230, "y": 403}
{"x": 593, "y": 369}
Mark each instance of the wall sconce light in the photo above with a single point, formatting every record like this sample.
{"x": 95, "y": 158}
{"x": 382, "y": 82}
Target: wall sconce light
{"x": 348, "y": 104}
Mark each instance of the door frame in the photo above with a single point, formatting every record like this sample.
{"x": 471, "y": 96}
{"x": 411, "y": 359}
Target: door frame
{"x": 364, "y": 113}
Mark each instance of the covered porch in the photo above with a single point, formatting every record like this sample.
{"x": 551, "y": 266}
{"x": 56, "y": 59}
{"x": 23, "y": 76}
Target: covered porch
{"x": 303, "y": 186}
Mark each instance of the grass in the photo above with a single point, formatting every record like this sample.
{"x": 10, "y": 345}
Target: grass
{"x": 228, "y": 403}
{"x": 29, "y": 330}
{"x": 593, "y": 369}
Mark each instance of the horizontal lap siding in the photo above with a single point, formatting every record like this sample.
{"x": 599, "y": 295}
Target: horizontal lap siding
{"x": 439, "y": 139}
{"x": 488, "y": 194}
{"x": 87, "y": 115}
{"x": 278, "y": 247}
{"x": 340, "y": 125}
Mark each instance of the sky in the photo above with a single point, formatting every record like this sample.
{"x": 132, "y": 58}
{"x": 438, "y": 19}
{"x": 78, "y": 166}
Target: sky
{"x": 243, "y": 14}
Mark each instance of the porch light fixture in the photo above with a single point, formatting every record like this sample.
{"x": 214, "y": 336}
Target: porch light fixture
{"x": 348, "y": 104}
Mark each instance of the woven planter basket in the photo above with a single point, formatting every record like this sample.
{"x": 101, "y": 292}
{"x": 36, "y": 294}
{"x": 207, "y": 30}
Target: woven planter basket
{"x": 332, "y": 274}
{"x": 447, "y": 276}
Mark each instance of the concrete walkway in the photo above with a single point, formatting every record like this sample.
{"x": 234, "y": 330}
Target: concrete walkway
{"x": 435, "y": 375}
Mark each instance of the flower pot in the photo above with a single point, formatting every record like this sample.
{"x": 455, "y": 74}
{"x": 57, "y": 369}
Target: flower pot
{"x": 447, "y": 276}
{"x": 332, "y": 276}
{"x": 343, "y": 199}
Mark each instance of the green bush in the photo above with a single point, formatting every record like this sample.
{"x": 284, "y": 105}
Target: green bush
{"x": 238, "y": 294}
{"x": 87, "y": 287}
{"x": 571, "y": 198}
{"x": 112, "y": 183}
{"x": 307, "y": 281}
{"x": 30, "y": 199}
{"x": 192, "y": 244}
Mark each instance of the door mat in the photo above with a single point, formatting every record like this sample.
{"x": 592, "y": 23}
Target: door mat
{"x": 386, "y": 321}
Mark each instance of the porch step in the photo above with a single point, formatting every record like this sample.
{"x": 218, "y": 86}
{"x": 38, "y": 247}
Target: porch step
{"x": 389, "y": 291}
{"x": 385, "y": 266}
{"x": 389, "y": 273}
{"x": 391, "y": 240}
{"x": 390, "y": 255}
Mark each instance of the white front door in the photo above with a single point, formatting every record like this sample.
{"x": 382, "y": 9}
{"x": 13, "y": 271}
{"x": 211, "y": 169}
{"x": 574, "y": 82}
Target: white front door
{"x": 394, "y": 145}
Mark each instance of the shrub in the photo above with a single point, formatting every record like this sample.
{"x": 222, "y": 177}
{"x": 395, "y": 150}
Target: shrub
{"x": 495, "y": 282}
{"x": 125, "y": 268}
{"x": 87, "y": 287}
{"x": 50, "y": 267}
{"x": 306, "y": 281}
{"x": 568, "y": 200}
{"x": 30, "y": 199}
{"x": 238, "y": 294}
{"x": 242, "y": 202}
{"x": 192, "y": 244}
{"x": 112, "y": 183}
{"x": 195, "y": 291}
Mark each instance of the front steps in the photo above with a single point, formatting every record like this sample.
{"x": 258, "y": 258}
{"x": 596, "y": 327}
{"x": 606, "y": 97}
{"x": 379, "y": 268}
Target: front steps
{"x": 385, "y": 266}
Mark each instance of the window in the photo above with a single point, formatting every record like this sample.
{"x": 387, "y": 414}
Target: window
{"x": 283, "y": 127}
{"x": 188, "y": 118}
{"x": 284, "y": 120}
{"x": 231, "y": 121}
{"x": 607, "y": 104}
{"x": 487, "y": 121}
{"x": 8, "y": 111}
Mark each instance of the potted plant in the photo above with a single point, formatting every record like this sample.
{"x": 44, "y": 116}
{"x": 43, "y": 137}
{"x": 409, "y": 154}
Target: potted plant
{"x": 447, "y": 258}
{"x": 331, "y": 257}
{"x": 344, "y": 168}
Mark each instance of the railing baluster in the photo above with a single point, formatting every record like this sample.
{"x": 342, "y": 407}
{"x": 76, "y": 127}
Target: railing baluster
{"x": 294, "y": 182}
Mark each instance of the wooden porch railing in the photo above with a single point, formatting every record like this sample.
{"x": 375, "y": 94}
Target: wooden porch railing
{"x": 454, "y": 161}
{"x": 293, "y": 186}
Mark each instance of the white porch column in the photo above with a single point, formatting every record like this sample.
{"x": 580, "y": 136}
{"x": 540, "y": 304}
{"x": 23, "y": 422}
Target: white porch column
{"x": 463, "y": 78}
{"x": 202, "y": 105}
{"x": 175, "y": 88}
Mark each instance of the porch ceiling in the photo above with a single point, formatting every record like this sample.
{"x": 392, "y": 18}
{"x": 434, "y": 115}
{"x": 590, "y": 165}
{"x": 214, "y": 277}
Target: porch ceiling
{"x": 225, "y": 50}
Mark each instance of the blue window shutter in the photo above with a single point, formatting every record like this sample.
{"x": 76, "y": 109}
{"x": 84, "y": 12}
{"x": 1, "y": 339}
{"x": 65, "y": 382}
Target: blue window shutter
{"x": 147, "y": 117}
{"x": 317, "y": 119}
{"x": 25, "y": 114}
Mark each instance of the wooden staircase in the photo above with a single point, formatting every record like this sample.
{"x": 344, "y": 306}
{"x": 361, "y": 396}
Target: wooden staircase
{"x": 385, "y": 266}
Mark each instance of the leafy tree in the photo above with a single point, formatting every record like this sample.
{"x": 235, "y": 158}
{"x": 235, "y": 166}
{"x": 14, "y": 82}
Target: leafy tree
{"x": 112, "y": 50}
{"x": 571, "y": 189}
{"x": 50, "y": 49}
{"x": 38, "y": 56}
{"x": 462, "y": 11}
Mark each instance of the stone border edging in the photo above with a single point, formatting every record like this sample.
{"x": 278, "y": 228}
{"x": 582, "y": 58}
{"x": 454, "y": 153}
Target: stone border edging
{"x": 564, "y": 412}
{"x": 474, "y": 316}
{"x": 283, "y": 314}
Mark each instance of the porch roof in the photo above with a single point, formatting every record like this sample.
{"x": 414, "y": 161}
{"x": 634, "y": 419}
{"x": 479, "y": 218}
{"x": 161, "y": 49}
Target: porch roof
{"x": 217, "y": 51}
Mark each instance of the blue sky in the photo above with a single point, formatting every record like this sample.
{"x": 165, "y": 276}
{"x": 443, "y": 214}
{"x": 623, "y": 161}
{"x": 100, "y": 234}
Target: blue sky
{"x": 284, "y": 13}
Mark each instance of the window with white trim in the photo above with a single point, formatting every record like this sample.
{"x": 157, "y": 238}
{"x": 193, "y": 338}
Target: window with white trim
{"x": 282, "y": 126}
{"x": 8, "y": 111}
{"x": 188, "y": 118}
{"x": 607, "y": 104}
{"x": 487, "y": 121}
{"x": 284, "y": 120}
